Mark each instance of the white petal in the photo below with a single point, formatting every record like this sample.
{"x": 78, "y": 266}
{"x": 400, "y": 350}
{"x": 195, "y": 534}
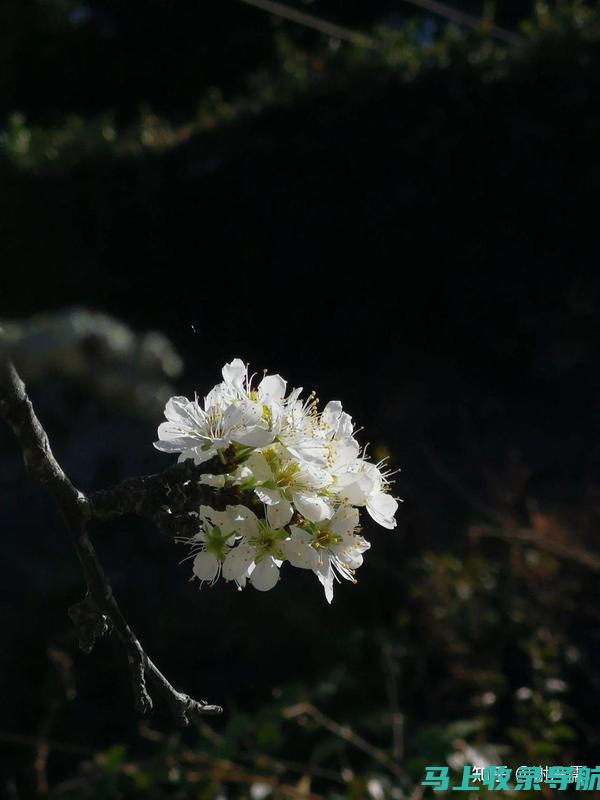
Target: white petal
{"x": 259, "y": 467}
{"x": 382, "y": 507}
{"x": 244, "y": 520}
{"x": 354, "y": 487}
{"x": 345, "y": 428}
{"x": 216, "y": 481}
{"x": 338, "y": 423}
{"x": 331, "y": 413}
{"x": 218, "y": 396}
{"x": 223, "y": 519}
{"x": 265, "y": 575}
{"x": 173, "y": 439}
{"x": 350, "y": 550}
{"x": 272, "y": 388}
{"x": 293, "y": 397}
{"x": 313, "y": 477}
{"x": 325, "y": 575}
{"x": 206, "y": 566}
{"x": 344, "y": 521}
{"x": 279, "y": 515}
{"x": 253, "y": 436}
{"x": 182, "y": 411}
{"x": 198, "y": 454}
{"x": 241, "y": 414}
{"x": 345, "y": 452}
{"x": 297, "y": 550}
{"x": 312, "y": 507}
{"x": 234, "y": 374}
{"x": 270, "y": 497}
{"x": 309, "y": 449}
{"x": 241, "y": 474}
{"x": 374, "y": 474}
{"x": 237, "y": 562}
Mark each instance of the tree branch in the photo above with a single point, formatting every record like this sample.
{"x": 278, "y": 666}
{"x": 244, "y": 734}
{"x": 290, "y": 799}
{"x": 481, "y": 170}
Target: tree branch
{"x": 98, "y": 613}
{"x": 171, "y": 498}
{"x": 175, "y": 487}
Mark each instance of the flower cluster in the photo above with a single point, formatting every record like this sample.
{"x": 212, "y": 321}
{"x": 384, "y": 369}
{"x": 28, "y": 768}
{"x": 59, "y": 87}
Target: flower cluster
{"x": 300, "y": 475}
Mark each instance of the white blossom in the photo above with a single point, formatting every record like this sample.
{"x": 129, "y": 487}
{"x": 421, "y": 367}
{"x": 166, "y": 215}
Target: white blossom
{"x": 233, "y": 413}
{"x": 211, "y": 545}
{"x": 300, "y": 476}
{"x": 330, "y": 549}
{"x": 363, "y": 484}
{"x": 259, "y": 554}
{"x": 282, "y": 481}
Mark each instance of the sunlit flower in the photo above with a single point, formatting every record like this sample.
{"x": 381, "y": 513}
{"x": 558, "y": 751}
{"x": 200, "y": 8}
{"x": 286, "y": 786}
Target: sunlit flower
{"x": 299, "y": 473}
{"x": 211, "y": 544}
{"x": 363, "y": 484}
{"x": 259, "y": 555}
{"x": 281, "y": 481}
{"x": 232, "y": 413}
{"x": 330, "y": 549}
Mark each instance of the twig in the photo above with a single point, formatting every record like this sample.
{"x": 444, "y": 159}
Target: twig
{"x": 526, "y": 536}
{"x": 61, "y": 674}
{"x": 98, "y": 613}
{"x": 220, "y": 769}
{"x": 171, "y": 498}
{"x": 446, "y": 475}
{"x": 391, "y": 685}
{"x": 355, "y": 37}
{"x": 346, "y": 733}
{"x": 468, "y": 20}
{"x": 310, "y": 21}
{"x": 204, "y": 767}
{"x": 280, "y": 766}
{"x": 283, "y": 765}
{"x": 147, "y": 495}
{"x": 36, "y": 741}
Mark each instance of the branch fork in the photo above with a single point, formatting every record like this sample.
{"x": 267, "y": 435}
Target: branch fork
{"x": 99, "y": 614}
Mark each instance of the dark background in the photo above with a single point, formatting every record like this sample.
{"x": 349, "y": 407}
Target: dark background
{"x": 411, "y": 229}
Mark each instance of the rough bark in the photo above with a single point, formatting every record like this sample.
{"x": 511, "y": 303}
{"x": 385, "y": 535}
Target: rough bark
{"x": 153, "y": 496}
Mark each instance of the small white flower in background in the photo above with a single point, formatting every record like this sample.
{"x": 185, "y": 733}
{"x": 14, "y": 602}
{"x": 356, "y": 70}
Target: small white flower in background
{"x": 258, "y": 790}
{"x": 375, "y": 789}
{"x": 300, "y": 475}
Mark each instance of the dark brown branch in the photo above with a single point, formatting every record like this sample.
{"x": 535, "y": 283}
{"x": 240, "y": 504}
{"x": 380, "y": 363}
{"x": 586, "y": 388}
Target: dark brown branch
{"x": 346, "y": 733}
{"x": 148, "y": 495}
{"x": 98, "y": 613}
{"x": 527, "y": 536}
{"x": 171, "y": 498}
{"x": 442, "y": 471}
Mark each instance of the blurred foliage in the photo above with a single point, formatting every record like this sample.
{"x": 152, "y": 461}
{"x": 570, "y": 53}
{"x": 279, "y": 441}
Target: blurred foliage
{"x": 61, "y": 55}
{"x": 480, "y": 665}
{"x": 473, "y": 635}
{"x": 115, "y": 365}
{"x": 296, "y": 72}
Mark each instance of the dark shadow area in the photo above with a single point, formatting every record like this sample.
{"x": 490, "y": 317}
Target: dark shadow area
{"x": 412, "y": 231}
